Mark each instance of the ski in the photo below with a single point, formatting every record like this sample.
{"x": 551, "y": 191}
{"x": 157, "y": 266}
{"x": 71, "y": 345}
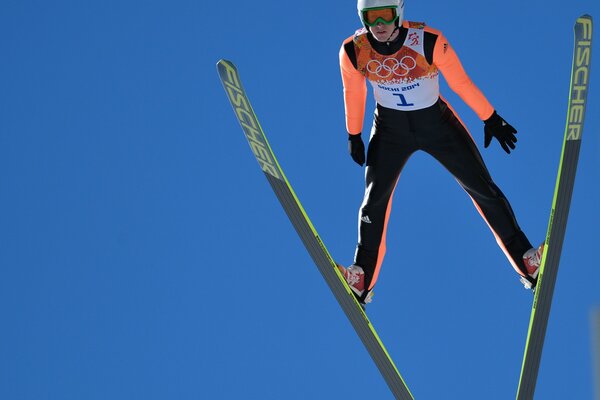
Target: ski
{"x": 561, "y": 202}
{"x": 307, "y": 232}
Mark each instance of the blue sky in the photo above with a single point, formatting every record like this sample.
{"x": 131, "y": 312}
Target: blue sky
{"x": 143, "y": 254}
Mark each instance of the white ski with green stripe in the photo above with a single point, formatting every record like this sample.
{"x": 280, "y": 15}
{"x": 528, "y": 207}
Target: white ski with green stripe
{"x": 307, "y": 232}
{"x": 565, "y": 181}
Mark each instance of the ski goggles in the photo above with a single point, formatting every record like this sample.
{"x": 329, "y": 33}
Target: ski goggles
{"x": 374, "y": 16}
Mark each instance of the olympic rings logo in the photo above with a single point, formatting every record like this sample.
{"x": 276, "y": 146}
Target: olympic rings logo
{"x": 391, "y": 66}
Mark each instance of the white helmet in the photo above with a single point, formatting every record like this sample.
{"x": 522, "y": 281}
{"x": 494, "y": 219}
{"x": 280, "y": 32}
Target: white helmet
{"x": 363, "y": 5}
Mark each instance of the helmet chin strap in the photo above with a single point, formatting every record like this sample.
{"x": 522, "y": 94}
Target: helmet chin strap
{"x": 391, "y": 34}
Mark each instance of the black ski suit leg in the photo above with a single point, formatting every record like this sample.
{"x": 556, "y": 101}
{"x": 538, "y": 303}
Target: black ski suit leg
{"x": 457, "y": 151}
{"x": 390, "y": 147}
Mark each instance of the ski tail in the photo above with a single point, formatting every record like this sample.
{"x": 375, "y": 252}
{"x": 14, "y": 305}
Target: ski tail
{"x": 565, "y": 181}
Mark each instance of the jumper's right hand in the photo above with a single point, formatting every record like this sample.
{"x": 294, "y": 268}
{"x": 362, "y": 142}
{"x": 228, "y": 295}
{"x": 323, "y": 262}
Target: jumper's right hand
{"x": 356, "y": 148}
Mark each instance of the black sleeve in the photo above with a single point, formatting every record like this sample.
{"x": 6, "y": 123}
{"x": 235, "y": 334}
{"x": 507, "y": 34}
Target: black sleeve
{"x": 429, "y": 45}
{"x": 349, "y": 48}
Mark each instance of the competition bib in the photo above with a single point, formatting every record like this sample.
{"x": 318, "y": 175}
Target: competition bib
{"x": 403, "y": 80}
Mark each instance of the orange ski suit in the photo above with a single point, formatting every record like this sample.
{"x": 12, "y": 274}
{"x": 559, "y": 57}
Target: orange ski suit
{"x": 411, "y": 115}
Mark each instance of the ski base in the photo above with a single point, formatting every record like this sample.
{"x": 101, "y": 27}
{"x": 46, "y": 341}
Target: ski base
{"x": 307, "y": 232}
{"x": 559, "y": 213}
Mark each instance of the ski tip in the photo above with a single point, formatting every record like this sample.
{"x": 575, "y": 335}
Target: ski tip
{"x": 224, "y": 65}
{"x": 223, "y": 61}
{"x": 585, "y": 16}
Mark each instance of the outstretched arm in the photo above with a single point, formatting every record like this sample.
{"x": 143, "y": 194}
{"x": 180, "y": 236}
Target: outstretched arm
{"x": 445, "y": 58}
{"x": 355, "y": 92}
{"x": 447, "y": 61}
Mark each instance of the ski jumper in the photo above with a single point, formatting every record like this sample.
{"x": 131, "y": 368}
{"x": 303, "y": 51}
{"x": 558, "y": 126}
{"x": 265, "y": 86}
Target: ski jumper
{"x": 410, "y": 115}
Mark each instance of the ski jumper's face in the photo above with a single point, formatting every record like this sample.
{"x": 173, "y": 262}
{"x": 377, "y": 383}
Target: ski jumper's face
{"x": 381, "y": 32}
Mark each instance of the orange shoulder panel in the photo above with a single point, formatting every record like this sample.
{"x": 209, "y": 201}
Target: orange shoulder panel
{"x": 355, "y": 92}
{"x": 445, "y": 58}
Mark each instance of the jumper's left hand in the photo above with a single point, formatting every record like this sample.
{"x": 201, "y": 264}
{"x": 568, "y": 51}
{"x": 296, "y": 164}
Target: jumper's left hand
{"x": 496, "y": 126}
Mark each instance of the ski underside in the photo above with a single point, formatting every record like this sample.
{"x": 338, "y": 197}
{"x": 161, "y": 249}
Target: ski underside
{"x": 557, "y": 224}
{"x": 307, "y": 232}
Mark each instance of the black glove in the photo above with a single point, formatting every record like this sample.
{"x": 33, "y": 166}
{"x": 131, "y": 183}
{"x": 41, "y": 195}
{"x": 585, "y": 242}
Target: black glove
{"x": 356, "y": 147}
{"x": 496, "y": 126}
